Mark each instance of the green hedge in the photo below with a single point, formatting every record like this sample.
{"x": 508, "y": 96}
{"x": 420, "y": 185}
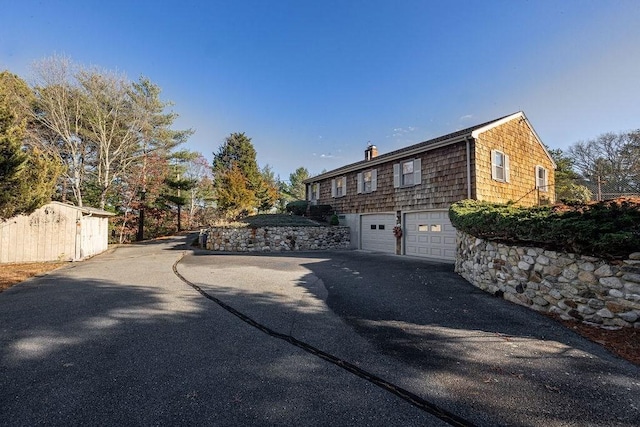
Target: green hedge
{"x": 297, "y": 207}
{"x": 609, "y": 229}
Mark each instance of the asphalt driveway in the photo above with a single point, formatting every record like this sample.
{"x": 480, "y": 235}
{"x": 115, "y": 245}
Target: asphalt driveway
{"x": 159, "y": 334}
{"x": 423, "y": 328}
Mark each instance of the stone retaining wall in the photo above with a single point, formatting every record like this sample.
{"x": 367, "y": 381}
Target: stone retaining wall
{"x": 573, "y": 286}
{"x": 274, "y": 239}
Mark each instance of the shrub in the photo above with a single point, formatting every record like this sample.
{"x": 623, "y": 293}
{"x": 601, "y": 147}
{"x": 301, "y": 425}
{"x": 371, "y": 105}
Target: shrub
{"x": 320, "y": 212}
{"x": 609, "y": 229}
{"x": 297, "y": 207}
{"x": 334, "y": 220}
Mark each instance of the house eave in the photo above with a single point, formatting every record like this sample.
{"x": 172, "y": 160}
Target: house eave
{"x": 519, "y": 114}
{"x": 386, "y": 158}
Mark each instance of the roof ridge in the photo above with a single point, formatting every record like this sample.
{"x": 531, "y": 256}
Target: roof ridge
{"x": 452, "y": 135}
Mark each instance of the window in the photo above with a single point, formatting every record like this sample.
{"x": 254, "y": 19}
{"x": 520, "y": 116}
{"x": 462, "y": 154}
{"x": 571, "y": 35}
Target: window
{"x": 367, "y": 181}
{"x": 314, "y": 194}
{"x": 499, "y": 166}
{"x": 407, "y": 173}
{"x": 339, "y": 187}
{"x": 541, "y": 178}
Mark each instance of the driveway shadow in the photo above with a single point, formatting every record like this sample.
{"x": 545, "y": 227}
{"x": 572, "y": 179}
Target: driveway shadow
{"x": 479, "y": 356}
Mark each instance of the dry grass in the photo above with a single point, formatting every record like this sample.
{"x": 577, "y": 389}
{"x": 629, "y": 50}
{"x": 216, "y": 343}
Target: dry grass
{"x": 10, "y": 274}
{"x": 623, "y": 342}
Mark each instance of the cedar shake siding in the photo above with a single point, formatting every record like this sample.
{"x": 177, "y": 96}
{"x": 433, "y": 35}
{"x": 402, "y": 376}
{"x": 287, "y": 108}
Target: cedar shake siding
{"x": 447, "y": 165}
{"x": 517, "y": 140}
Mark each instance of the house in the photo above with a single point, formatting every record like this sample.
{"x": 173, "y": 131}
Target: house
{"x": 54, "y": 232}
{"x": 498, "y": 161}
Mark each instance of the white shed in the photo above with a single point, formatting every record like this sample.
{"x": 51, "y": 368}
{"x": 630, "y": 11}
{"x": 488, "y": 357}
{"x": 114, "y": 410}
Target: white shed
{"x": 54, "y": 232}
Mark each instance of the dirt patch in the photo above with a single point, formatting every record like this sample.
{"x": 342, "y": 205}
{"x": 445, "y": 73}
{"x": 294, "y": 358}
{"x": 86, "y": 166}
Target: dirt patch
{"x": 10, "y": 274}
{"x": 623, "y": 342}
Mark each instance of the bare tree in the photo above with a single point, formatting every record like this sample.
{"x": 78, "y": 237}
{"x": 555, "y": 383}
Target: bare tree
{"x": 58, "y": 111}
{"x": 608, "y": 162}
{"x": 111, "y": 122}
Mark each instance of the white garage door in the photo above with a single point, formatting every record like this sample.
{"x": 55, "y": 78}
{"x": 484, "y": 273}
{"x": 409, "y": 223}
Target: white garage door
{"x": 376, "y": 233}
{"x": 430, "y": 234}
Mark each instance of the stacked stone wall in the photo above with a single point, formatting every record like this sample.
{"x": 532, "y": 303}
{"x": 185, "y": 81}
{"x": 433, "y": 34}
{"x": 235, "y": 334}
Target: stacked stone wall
{"x": 572, "y": 286}
{"x": 275, "y": 239}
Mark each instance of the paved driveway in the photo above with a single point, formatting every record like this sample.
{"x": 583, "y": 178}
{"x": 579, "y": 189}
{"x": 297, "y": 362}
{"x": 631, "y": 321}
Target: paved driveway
{"x": 341, "y": 338}
{"x": 426, "y": 330}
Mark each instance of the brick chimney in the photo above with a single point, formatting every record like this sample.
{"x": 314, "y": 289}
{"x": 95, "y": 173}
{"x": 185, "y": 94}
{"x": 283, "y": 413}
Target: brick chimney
{"x": 371, "y": 152}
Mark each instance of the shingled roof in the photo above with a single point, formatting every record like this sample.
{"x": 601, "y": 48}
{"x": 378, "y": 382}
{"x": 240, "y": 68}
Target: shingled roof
{"x": 447, "y": 139}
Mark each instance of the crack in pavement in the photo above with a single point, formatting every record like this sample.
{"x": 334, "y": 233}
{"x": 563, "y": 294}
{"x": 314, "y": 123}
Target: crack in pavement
{"x": 415, "y": 400}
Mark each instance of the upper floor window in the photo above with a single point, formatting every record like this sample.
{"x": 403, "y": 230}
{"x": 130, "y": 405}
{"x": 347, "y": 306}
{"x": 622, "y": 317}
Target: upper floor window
{"x": 367, "y": 181}
{"x": 499, "y": 166}
{"x": 541, "y": 178}
{"x": 407, "y": 173}
{"x": 314, "y": 193}
{"x": 339, "y": 187}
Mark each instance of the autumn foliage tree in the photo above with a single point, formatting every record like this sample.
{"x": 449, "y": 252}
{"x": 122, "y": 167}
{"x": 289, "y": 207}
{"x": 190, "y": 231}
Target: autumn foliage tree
{"x": 235, "y": 198}
{"x": 240, "y": 186}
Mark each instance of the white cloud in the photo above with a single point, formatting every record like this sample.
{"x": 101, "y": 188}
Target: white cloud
{"x": 466, "y": 117}
{"x": 403, "y": 131}
{"x": 324, "y": 155}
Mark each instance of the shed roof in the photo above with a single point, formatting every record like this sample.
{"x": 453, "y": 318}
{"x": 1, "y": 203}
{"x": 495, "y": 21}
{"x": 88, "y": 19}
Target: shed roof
{"x": 84, "y": 209}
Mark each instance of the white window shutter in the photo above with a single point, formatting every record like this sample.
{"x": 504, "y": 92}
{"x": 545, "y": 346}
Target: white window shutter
{"x": 318, "y": 191}
{"x": 374, "y": 180}
{"x": 537, "y": 172}
{"x": 360, "y": 183}
{"x": 506, "y": 168}
{"x": 494, "y": 172}
{"x": 309, "y": 190}
{"x": 396, "y": 175}
{"x": 344, "y": 185}
{"x": 333, "y": 188}
{"x": 417, "y": 172}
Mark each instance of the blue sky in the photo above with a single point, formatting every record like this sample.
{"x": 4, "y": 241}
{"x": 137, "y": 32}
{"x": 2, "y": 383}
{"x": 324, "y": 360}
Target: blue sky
{"x": 312, "y": 82}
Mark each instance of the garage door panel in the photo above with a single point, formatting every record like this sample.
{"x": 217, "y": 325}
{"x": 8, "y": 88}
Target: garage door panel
{"x": 430, "y": 234}
{"x": 377, "y": 233}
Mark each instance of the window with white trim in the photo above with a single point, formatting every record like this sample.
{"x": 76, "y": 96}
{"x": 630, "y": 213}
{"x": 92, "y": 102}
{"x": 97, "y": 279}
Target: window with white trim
{"x": 339, "y": 187}
{"x": 407, "y": 173}
{"x": 367, "y": 181}
{"x": 499, "y": 166}
{"x": 541, "y": 178}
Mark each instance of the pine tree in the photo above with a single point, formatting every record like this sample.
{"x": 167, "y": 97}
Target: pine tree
{"x": 235, "y": 198}
{"x": 27, "y": 176}
{"x": 235, "y": 164}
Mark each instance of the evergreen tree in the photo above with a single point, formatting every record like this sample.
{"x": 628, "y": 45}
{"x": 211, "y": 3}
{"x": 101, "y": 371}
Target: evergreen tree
{"x": 235, "y": 164}
{"x": 180, "y": 186}
{"x": 27, "y": 176}
{"x": 235, "y": 198}
{"x": 296, "y": 189}
{"x": 566, "y": 186}
{"x": 268, "y": 190}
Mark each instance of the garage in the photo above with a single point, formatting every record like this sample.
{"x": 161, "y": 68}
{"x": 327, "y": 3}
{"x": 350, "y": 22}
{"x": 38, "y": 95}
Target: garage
{"x": 429, "y": 234}
{"x": 376, "y": 233}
